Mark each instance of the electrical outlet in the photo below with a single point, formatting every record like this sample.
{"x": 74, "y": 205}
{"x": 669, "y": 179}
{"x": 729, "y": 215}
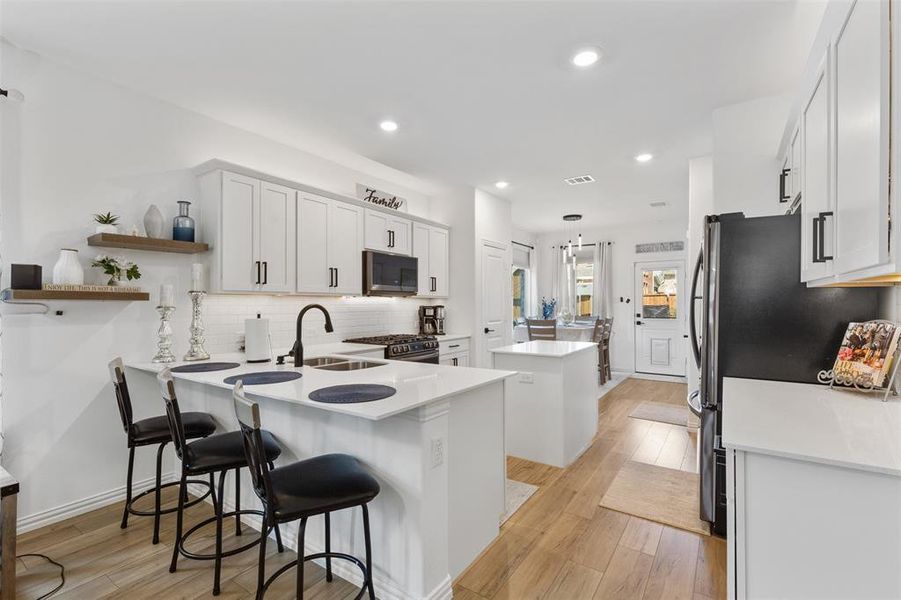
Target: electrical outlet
{"x": 437, "y": 452}
{"x": 526, "y": 377}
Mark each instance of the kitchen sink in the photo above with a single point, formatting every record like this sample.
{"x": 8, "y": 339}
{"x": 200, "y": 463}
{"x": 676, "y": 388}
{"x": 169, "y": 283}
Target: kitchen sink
{"x": 355, "y": 365}
{"x": 323, "y": 360}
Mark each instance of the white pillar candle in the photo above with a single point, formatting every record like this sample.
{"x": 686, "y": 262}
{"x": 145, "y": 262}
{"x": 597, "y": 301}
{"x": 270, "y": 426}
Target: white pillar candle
{"x": 167, "y": 295}
{"x": 197, "y": 277}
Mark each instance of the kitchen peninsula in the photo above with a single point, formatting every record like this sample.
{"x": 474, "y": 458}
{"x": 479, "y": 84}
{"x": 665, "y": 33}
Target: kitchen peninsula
{"x": 436, "y": 447}
{"x": 551, "y": 408}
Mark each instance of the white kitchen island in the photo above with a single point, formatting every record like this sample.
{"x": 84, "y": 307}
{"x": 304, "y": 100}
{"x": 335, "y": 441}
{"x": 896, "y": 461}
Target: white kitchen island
{"x": 813, "y": 491}
{"x": 551, "y": 406}
{"x": 436, "y": 448}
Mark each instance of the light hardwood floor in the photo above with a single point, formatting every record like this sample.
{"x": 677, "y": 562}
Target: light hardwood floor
{"x": 561, "y": 545}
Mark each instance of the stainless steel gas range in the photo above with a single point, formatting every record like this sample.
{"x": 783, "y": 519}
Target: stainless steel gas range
{"x": 404, "y": 346}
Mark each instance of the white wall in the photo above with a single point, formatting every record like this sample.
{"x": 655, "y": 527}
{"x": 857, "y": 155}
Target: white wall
{"x": 700, "y": 204}
{"x": 79, "y": 145}
{"x": 745, "y": 163}
{"x": 493, "y": 223}
{"x": 624, "y": 238}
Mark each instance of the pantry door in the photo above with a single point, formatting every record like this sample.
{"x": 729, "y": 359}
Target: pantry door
{"x": 659, "y": 318}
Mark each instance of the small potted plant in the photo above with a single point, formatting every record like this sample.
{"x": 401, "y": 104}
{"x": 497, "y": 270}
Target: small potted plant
{"x": 106, "y": 223}
{"x": 116, "y": 267}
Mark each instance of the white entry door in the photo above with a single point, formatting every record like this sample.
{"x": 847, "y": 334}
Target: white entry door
{"x": 496, "y": 302}
{"x": 659, "y": 318}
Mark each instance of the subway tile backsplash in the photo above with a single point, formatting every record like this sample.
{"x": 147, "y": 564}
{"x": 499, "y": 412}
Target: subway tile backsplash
{"x": 351, "y": 317}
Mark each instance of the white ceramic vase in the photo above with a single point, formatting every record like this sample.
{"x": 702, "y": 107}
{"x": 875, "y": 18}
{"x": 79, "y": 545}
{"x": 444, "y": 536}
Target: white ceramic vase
{"x": 100, "y": 228}
{"x": 67, "y": 270}
{"x": 153, "y": 222}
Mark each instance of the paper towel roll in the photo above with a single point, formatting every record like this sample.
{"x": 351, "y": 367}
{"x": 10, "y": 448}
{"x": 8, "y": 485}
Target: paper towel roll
{"x": 257, "y": 344}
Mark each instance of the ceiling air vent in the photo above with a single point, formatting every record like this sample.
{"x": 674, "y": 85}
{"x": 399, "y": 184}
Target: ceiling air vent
{"x": 579, "y": 180}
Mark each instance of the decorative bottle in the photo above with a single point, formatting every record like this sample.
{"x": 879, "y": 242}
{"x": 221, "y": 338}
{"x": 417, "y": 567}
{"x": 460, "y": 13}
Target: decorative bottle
{"x": 183, "y": 224}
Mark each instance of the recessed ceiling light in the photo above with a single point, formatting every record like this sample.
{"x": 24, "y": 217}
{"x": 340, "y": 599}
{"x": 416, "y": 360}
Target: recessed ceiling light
{"x": 644, "y": 157}
{"x": 501, "y": 185}
{"x": 388, "y": 125}
{"x": 586, "y": 57}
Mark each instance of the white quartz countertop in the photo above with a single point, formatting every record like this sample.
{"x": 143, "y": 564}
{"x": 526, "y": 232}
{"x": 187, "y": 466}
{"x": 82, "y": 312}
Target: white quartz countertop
{"x": 548, "y": 348}
{"x": 450, "y": 337}
{"x": 417, "y": 384}
{"x": 811, "y": 422}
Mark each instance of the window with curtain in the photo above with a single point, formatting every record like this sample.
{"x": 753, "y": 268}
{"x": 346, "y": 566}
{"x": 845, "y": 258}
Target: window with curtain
{"x": 521, "y": 282}
{"x": 584, "y": 282}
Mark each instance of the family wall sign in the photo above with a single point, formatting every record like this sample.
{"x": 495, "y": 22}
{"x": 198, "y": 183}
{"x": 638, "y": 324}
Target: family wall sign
{"x": 379, "y": 198}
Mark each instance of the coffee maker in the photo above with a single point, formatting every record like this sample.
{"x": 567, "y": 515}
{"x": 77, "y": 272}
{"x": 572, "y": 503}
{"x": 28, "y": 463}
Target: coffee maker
{"x": 431, "y": 320}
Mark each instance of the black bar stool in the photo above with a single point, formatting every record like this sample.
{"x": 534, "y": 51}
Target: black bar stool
{"x": 218, "y": 453}
{"x": 148, "y": 432}
{"x": 316, "y": 486}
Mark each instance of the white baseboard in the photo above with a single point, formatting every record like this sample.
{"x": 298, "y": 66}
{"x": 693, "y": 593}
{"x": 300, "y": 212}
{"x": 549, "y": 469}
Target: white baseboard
{"x": 655, "y": 377}
{"x": 79, "y": 507}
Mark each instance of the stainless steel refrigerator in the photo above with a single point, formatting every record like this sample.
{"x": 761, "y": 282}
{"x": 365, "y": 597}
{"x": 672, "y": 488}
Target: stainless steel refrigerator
{"x": 752, "y": 317}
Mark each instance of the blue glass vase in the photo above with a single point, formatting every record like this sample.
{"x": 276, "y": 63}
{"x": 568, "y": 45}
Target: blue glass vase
{"x": 183, "y": 224}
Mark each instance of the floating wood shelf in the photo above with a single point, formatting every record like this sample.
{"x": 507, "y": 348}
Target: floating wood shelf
{"x": 135, "y": 242}
{"x": 74, "y": 295}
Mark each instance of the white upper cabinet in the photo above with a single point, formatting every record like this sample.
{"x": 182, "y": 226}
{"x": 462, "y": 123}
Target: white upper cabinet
{"x": 846, "y": 139}
{"x": 430, "y": 246}
{"x": 277, "y": 237}
{"x": 286, "y": 238}
{"x": 314, "y": 273}
{"x": 817, "y": 222}
{"x": 862, "y": 96}
{"x": 346, "y": 247}
{"x": 388, "y": 233}
{"x": 239, "y": 217}
{"x": 329, "y": 246}
{"x": 256, "y": 235}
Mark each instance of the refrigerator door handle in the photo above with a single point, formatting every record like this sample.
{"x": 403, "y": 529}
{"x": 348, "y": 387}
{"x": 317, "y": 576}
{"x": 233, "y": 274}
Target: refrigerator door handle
{"x": 692, "y": 309}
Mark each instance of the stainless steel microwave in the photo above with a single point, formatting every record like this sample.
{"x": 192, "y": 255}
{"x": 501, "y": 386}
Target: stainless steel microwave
{"x": 389, "y": 274}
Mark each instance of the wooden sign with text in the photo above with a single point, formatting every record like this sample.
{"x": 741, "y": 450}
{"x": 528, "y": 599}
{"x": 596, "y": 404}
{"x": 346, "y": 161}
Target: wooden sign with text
{"x": 379, "y": 198}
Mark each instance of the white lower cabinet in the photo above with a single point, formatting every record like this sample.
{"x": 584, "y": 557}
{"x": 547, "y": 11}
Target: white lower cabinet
{"x": 329, "y": 246}
{"x": 431, "y": 247}
{"x": 454, "y": 353}
{"x": 802, "y": 529}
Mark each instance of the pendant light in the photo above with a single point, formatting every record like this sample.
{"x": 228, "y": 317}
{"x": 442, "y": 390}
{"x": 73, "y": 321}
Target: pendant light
{"x": 570, "y": 227}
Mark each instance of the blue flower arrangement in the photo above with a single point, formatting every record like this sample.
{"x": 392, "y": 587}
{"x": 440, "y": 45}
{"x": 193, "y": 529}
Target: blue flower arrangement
{"x": 547, "y": 308}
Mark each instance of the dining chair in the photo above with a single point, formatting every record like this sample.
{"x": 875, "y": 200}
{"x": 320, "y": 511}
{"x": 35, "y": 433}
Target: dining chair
{"x": 542, "y": 329}
{"x": 597, "y": 337}
{"x": 605, "y": 348}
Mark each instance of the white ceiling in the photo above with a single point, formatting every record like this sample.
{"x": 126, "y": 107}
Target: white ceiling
{"x": 482, "y": 91}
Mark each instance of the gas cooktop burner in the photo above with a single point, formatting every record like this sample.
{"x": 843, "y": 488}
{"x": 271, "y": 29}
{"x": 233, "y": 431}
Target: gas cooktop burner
{"x": 397, "y": 338}
{"x": 404, "y": 346}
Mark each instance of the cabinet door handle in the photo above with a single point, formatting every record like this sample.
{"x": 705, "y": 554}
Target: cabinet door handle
{"x": 489, "y": 330}
{"x": 822, "y": 236}
{"x": 330, "y": 277}
{"x": 265, "y": 272}
{"x": 454, "y": 346}
{"x": 257, "y": 263}
{"x": 782, "y": 178}
{"x": 336, "y": 276}
{"x": 815, "y": 234}
{"x": 455, "y": 362}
